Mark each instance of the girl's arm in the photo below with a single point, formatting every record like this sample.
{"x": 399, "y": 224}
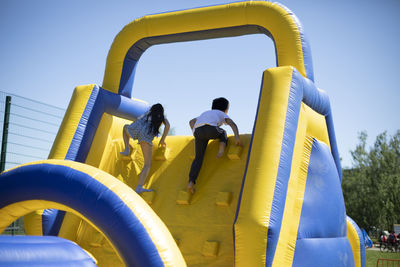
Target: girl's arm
{"x": 235, "y": 130}
{"x": 165, "y": 133}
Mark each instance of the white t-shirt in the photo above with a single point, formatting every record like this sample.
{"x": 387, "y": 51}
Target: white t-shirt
{"x": 212, "y": 117}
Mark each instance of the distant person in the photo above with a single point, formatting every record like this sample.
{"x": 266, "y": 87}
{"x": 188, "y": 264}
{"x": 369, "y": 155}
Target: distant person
{"x": 144, "y": 129}
{"x": 398, "y": 240}
{"x": 392, "y": 238}
{"x": 382, "y": 239}
{"x": 206, "y": 127}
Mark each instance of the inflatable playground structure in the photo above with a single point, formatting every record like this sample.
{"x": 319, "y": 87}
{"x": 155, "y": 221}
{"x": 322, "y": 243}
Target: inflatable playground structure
{"x": 276, "y": 201}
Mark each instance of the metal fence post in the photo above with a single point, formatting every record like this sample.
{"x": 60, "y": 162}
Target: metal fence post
{"x": 5, "y": 133}
{"x": 4, "y": 142}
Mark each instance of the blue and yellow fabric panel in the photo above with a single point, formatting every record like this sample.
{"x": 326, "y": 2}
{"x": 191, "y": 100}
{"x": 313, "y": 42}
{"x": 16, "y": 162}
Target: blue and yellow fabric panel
{"x": 293, "y": 118}
{"x": 87, "y": 105}
{"x": 322, "y": 237}
{"x": 356, "y": 239}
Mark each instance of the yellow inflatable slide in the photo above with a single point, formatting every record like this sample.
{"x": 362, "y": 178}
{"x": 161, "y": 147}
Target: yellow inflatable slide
{"x": 276, "y": 201}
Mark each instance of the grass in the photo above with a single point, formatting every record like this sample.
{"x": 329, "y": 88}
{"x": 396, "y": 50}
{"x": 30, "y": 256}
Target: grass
{"x": 372, "y": 257}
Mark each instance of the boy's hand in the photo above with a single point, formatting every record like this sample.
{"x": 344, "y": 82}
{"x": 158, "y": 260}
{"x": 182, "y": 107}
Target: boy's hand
{"x": 162, "y": 144}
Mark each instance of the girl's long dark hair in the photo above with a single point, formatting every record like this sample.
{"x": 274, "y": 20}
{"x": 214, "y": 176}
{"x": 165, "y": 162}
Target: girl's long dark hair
{"x": 156, "y": 117}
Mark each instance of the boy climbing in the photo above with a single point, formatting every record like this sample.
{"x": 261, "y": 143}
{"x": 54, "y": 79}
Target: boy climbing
{"x": 206, "y": 127}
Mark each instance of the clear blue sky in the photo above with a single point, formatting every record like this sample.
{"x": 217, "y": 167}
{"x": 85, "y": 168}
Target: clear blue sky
{"x": 48, "y": 47}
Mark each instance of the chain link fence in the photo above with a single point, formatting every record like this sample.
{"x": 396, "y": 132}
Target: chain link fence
{"x": 28, "y": 129}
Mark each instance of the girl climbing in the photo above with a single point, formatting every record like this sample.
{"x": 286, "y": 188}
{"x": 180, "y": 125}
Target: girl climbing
{"x": 144, "y": 129}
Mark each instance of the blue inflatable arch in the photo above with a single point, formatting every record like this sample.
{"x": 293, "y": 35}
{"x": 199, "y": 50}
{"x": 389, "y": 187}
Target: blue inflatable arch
{"x": 138, "y": 235}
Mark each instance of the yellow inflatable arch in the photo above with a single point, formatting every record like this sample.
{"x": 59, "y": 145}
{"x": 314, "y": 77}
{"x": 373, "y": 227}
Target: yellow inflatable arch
{"x": 235, "y": 19}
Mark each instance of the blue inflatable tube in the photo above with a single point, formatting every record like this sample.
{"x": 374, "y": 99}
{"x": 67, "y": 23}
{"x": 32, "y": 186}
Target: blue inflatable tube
{"x": 138, "y": 235}
{"x": 19, "y": 251}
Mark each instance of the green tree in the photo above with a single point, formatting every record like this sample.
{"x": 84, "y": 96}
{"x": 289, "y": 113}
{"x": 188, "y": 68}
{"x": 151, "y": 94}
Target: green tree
{"x": 371, "y": 188}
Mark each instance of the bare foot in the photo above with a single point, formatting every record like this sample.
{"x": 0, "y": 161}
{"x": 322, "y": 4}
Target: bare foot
{"x": 190, "y": 188}
{"x": 221, "y": 149}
